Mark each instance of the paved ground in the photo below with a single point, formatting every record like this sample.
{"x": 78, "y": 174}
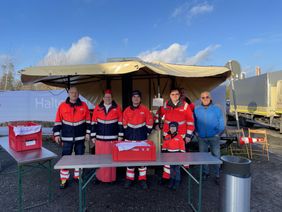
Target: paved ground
{"x": 266, "y": 191}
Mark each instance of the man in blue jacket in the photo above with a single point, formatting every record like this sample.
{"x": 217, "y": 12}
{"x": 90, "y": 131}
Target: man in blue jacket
{"x": 209, "y": 123}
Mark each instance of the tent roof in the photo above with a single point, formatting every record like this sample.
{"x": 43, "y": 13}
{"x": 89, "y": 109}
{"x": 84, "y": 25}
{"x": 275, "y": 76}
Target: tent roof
{"x": 58, "y": 75}
{"x": 91, "y": 79}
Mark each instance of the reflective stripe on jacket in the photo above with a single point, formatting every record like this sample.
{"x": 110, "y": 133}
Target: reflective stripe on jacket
{"x": 107, "y": 126}
{"x": 72, "y": 121}
{"x": 173, "y": 143}
{"x": 180, "y": 113}
{"x": 137, "y": 123}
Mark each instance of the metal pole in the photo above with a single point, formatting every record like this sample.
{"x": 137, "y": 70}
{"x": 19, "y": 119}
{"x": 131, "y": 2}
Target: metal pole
{"x": 20, "y": 202}
{"x": 160, "y": 118}
{"x": 234, "y": 97}
{"x": 200, "y": 189}
{"x": 80, "y": 191}
{"x": 69, "y": 85}
{"x": 159, "y": 89}
{"x": 49, "y": 181}
{"x": 189, "y": 190}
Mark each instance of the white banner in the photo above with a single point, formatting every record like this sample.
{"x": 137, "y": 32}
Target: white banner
{"x": 32, "y": 105}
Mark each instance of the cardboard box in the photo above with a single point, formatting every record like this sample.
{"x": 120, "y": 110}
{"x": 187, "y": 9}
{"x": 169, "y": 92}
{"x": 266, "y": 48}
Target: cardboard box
{"x": 138, "y": 153}
{"x": 30, "y": 137}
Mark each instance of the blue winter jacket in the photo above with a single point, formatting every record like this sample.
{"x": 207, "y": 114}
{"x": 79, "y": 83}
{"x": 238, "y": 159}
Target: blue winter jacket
{"x": 209, "y": 121}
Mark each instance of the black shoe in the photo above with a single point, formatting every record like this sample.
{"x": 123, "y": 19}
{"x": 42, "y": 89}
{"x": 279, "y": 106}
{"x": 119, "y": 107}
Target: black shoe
{"x": 171, "y": 183}
{"x": 205, "y": 176}
{"x": 63, "y": 184}
{"x": 164, "y": 181}
{"x": 127, "y": 183}
{"x": 217, "y": 180}
{"x": 76, "y": 180}
{"x": 176, "y": 185}
{"x": 143, "y": 184}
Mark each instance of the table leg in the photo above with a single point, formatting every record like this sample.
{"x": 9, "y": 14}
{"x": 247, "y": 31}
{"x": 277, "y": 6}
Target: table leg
{"x": 189, "y": 189}
{"x": 80, "y": 191}
{"x": 20, "y": 203}
{"x": 200, "y": 189}
{"x": 84, "y": 198}
{"x": 49, "y": 181}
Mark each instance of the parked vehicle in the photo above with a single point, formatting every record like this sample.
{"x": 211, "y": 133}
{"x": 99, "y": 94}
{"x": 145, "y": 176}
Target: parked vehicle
{"x": 259, "y": 100}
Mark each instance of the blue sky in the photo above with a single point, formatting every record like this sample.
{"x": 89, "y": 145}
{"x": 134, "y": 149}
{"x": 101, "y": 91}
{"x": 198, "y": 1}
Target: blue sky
{"x": 194, "y": 32}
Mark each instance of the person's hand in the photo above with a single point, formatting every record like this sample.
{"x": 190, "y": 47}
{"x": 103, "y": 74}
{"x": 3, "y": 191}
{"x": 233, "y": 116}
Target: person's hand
{"x": 57, "y": 139}
{"x": 187, "y": 140}
{"x": 87, "y": 137}
{"x": 157, "y": 127}
{"x": 94, "y": 140}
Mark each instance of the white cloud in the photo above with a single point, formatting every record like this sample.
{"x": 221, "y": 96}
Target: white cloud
{"x": 200, "y": 9}
{"x": 190, "y": 10}
{"x": 177, "y": 53}
{"x": 202, "y": 55}
{"x": 79, "y": 52}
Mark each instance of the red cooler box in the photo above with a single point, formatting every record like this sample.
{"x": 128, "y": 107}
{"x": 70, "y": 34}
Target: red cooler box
{"x": 138, "y": 153}
{"x": 25, "y": 136}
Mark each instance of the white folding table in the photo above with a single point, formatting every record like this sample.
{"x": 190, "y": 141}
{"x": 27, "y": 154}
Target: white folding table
{"x": 197, "y": 159}
{"x": 26, "y": 159}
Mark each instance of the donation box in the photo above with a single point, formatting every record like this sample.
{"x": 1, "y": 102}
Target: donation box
{"x": 134, "y": 151}
{"x": 25, "y": 136}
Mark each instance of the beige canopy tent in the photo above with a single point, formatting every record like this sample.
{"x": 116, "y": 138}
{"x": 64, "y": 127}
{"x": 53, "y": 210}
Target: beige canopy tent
{"x": 123, "y": 76}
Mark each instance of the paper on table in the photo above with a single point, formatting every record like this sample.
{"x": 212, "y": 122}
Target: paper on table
{"x": 130, "y": 145}
{"x": 26, "y": 130}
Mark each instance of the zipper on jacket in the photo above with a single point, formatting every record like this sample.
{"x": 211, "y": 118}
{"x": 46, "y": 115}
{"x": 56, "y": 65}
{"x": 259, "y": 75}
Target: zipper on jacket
{"x": 206, "y": 132}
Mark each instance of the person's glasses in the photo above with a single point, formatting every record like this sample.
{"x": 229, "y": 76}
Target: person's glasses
{"x": 205, "y": 97}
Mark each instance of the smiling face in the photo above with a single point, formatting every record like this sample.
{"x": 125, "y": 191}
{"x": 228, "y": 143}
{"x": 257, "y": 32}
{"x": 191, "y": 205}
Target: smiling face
{"x": 107, "y": 99}
{"x": 73, "y": 94}
{"x": 136, "y": 100}
{"x": 174, "y": 96}
{"x": 172, "y": 129}
{"x": 205, "y": 98}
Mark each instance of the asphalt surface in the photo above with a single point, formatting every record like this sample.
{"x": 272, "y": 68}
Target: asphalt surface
{"x": 266, "y": 189}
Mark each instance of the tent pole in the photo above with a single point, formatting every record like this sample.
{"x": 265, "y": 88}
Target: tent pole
{"x": 126, "y": 90}
{"x": 68, "y": 82}
{"x": 150, "y": 94}
{"x": 108, "y": 83}
{"x": 159, "y": 87}
{"x": 234, "y": 98}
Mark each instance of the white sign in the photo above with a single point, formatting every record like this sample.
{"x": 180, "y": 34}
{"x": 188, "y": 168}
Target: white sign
{"x": 31, "y": 105}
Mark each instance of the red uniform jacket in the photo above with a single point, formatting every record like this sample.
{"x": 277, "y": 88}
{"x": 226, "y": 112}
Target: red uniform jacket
{"x": 137, "y": 123}
{"x": 174, "y": 143}
{"x": 180, "y": 113}
{"x": 72, "y": 121}
{"x": 107, "y": 126}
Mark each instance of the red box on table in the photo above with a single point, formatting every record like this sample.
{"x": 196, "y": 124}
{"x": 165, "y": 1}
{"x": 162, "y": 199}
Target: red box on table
{"x": 29, "y": 139}
{"x": 138, "y": 153}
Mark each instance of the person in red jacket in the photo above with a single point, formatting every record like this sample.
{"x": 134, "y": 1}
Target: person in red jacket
{"x": 176, "y": 110}
{"x": 173, "y": 142}
{"x": 137, "y": 124}
{"x": 106, "y": 128}
{"x": 71, "y": 129}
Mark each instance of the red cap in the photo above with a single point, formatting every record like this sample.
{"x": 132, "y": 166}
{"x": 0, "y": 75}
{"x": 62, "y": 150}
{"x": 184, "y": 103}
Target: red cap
{"x": 108, "y": 91}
